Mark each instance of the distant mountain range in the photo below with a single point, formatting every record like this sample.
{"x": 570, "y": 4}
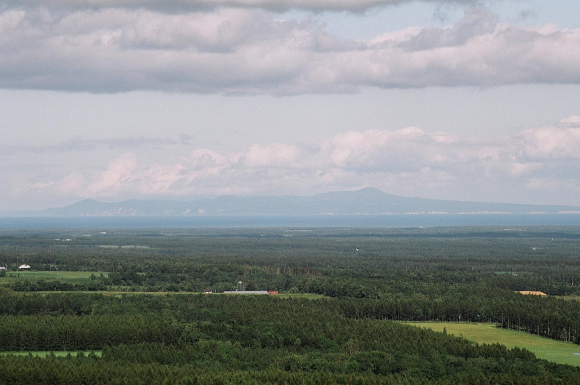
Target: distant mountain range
{"x": 368, "y": 201}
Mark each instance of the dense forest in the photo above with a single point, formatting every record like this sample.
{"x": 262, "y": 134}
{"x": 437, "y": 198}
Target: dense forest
{"x": 134, "y": 305}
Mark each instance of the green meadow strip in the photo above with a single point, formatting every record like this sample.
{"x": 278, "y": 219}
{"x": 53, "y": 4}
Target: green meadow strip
{"x": 487, "y": 333}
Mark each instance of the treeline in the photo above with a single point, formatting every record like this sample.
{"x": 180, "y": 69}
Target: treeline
{"x": 370, "y": 280}
{"x": 545, "y": 316}
{"x": 33, "y": 285}
{"x": 87, "y": 371}
{"x": 548, "y": 317}
{"x": 325, "y": 268}
{"x": 222, "y": 339}
{"x": 258, "y": 321}
{"x": 70, "y": 333}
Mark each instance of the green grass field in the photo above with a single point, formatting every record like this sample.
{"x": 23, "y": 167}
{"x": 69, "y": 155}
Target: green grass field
{"x": 65, "y": 276}
{"x": 98, "y": 353}
{"x": 72, "y": 277}
{"x": 569, "y": 297}
{"x": 54, "y": 274}
{"x": 544, "y": 348}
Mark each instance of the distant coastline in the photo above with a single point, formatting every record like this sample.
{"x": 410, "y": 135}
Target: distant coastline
{"x": 258, "y": 221}
{"x": 385, "y": 208}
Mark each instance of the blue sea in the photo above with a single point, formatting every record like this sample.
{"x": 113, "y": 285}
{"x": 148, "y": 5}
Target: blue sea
{"x": 384, "y": 221}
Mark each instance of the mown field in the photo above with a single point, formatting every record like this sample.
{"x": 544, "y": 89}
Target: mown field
{"x": 65, "y": 275}
{"x": 487, "y": 333}
{"x": 71, "y": 277}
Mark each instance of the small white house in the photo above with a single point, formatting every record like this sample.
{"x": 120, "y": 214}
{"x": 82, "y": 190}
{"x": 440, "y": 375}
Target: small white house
{"x": 2, "y": 268}
{"x": 25, "y": 266}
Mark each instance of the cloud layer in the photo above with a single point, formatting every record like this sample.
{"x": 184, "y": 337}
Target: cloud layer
{"x": 185, "y": 5}
{"x": 409, "y": 161}
{"x": 252, "y": 51}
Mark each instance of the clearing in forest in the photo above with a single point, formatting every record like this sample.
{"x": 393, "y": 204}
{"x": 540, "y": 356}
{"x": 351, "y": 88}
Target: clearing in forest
{"x": 54, "y": 274}
{"x": 487, "y": 333}
{"x": 64, "y": 276}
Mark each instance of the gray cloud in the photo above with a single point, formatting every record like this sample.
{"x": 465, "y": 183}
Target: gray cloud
{"x": 478, "y": 21}
{"x": 528, "y": 14}
{"x": 236, "y": 51}
{"x": 196, "y": 5}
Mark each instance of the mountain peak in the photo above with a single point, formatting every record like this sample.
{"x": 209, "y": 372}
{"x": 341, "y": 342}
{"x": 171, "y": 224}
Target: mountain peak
{"x": 371, "y": 191}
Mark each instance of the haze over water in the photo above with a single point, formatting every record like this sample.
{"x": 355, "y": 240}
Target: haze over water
{"x": 419, "y": 220}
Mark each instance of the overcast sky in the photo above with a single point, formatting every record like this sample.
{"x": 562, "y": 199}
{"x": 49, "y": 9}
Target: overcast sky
{"x": 463, "y": 100}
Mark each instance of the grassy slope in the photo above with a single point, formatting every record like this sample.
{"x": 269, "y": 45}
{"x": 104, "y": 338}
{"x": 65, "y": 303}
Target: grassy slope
{"x": 545, "y": 348}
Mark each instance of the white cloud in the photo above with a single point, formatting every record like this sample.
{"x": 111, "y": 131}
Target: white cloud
{"x": 551, "y": 143}
{"x": 409, "y": 161}
{"x": 410, "y": 147}
{"x": 119, "y": 173}
{"x": 252, "y": 51}
{"x": 572, "y": 121}
{"x": 276, "y": 155}
{"x": 71, "y": 184}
